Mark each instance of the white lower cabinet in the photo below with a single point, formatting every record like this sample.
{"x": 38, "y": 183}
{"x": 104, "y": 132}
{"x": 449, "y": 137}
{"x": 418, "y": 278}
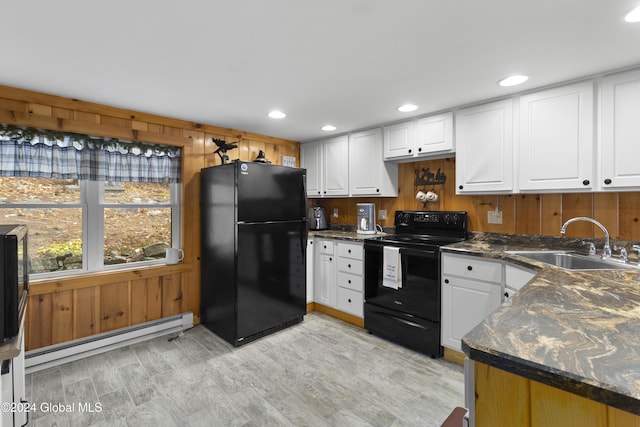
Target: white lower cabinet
{"x": 310, "y": 269}
{"x": 324, "y": 283}
{"x": 350, "y": 289}
{"x": 471, "y": 290}
{"x": 339, "y": 275}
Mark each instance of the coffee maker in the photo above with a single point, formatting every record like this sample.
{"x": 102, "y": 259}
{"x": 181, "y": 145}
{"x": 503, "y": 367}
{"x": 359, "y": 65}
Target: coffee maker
{"x": 366, "y": 218}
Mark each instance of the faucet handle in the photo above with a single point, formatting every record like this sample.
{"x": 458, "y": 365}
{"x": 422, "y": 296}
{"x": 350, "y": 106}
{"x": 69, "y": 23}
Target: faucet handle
{"x": 592, "y": 247}
{"x": 623, "y": 252}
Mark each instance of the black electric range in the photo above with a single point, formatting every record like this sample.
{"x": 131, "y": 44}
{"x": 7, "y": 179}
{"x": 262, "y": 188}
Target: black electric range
{"x": 408, "y": 312}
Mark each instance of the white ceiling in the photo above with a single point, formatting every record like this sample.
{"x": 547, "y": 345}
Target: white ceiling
{"x": 345, "y": 62}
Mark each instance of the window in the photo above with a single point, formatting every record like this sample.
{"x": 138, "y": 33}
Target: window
{"x": 87, "y": 226}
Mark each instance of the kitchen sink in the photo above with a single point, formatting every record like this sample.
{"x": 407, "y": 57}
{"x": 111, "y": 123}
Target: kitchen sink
{"x": 571, "y": 260}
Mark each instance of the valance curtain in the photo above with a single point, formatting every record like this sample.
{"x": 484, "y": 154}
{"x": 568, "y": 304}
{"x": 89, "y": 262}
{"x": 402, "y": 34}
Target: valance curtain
{"x": 46, "y": 154}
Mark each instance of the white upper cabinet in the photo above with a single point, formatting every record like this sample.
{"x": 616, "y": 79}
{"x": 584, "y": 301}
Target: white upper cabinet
{"x": 434, "y": 134}
{"x": 326, "y": 162}
{"x": 556, "y": 145}
{"x": 336, "y": 166}
{"x": 427, "y": 137}
{"x": 398, "y": 141}
{"x": 484, "y": 148}
{"x": 369, "y": 175}
{"x": 619, "y": 143}
{"x": 311, "y": 159}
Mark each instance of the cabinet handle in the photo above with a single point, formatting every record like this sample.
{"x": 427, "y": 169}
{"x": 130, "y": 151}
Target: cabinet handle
{"x": 460, "y": 187}
{"x": 325, "y": 246}
{"x": 469, "y": 268}
{"x": 446, "y": 280}
{"x": 585, "y": 182}
{"x": 410, "y": 150}
{"x": 349, "y": 300}
{"x": 607, "y": 181}
{"x": 330, "y": 259}
{"x": 377, "y": 190}
{"x": 349, "y": 265}
{"x": 419, "y": 150}
{"x": 325, "y": 192}
{"x": 349, "y": 281}
{"x": 349, "y": 250}
{"x": 319, "y": 192}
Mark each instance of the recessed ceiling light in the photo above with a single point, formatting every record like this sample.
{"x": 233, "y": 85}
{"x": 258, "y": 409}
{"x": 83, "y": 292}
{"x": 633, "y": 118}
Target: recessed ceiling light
{"x": 328, "y": 128}
{"x": 633, "y": 16}
{"x": 275, "y": 114}
{"x": 513, "y": 80}
{"x": 406, "y": 108}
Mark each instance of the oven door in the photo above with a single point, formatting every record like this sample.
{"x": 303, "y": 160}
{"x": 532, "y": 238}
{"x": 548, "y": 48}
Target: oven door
{"x": 420, "y": 291}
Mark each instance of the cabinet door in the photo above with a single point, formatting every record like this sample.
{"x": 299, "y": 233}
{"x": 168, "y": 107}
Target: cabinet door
{"x": 311, "y": 159}
{"x": 336, "y": 166}
{"x": 484, "y": 148}
{"x": 619, "y": 149}
{"x": 324, "y": 283}
{"x": 556, "y": 139}
{"x": 434, "y": 135}
{"x": 369, "y": 175}
{"x": 398, "y": 141}
{"x": 465, "y": 303}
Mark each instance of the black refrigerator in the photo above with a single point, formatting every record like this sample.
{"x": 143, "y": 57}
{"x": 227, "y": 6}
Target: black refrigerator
{"x": 254, "y": 237}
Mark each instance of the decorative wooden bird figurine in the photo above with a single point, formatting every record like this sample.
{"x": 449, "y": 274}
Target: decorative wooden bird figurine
{"x": 223, "y": 147}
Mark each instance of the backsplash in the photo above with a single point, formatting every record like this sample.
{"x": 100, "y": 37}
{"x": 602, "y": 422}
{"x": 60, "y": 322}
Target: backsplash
{"x": 530, "y": 214}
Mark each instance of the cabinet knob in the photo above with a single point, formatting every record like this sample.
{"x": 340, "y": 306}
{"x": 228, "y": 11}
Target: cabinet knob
{"x": 585, "y": 182}
{"x": 325, "y": 192}
{"x": 377, "y": 190}
{"x": 469, "y": 268}
{"x": 325, "y": 246}
{"x": 460, "y": 187}
{"x": 349, "y": 299}
{"x": 607, "y": 181}
{"x": 349, "y": 265}
{"x": 349, "y": 250}
{"x": 506, "y": 294}
{"x": 330, "y": 259}
{"x": 349, "y": 281}
{"x": 410, "y": 150}
{"x": 419, "y": 150}
{"x": 319, "y": 192}
{"x": 446, "y": 280}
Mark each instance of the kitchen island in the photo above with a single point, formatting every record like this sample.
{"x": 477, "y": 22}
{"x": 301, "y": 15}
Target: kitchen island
{"x": 564, "y": 351}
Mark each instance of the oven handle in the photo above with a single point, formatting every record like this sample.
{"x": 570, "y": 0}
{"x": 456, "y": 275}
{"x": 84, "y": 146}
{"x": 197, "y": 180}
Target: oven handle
{"x": 424, "y": 253}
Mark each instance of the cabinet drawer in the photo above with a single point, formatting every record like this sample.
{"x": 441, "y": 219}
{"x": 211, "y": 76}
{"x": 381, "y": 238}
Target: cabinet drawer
{"x": 325, "y": 247}
{"x": 350, "y": 250}
{"x": 352, "y": 266}
{"x": 472, "y": 268}
{"x": 350, "y": 302}
{"x": 351, "y": 281}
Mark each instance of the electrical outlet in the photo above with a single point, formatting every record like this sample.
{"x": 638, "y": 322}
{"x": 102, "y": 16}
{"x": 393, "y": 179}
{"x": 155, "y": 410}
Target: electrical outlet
{"x": 335, "y": 212}
{"x": 382, "y": 214}
{"x": 494, "y": 217}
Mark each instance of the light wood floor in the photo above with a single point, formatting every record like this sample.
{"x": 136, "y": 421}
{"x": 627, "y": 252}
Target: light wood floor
{"x": 322, "y": 372}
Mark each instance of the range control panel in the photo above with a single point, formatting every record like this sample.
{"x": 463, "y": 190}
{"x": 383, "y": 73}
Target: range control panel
{"x": 426, "y": 222}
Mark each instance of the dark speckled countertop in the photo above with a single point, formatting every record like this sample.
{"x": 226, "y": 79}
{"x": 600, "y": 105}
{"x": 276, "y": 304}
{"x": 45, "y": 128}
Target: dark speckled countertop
{"x": 342, "y": 235}
{"x": 577, "y": 331}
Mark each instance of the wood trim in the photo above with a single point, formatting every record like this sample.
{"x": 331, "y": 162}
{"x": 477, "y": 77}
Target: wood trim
{"x": 454, "y": 356}
{"x": 345, "y": 317}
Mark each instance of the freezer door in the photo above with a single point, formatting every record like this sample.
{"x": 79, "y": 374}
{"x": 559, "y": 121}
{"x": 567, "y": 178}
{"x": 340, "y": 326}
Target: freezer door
{"x": 271, "y": 281}
{"x": 270, "y": 193}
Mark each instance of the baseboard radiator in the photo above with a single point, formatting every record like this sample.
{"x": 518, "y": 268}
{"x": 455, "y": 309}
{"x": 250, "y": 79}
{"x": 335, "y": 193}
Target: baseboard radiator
{"x": 46, "y": 357}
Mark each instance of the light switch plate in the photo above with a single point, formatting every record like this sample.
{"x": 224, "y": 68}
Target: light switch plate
{"x": 335, "y": 212}
{"x": 494, "y": 217}
{"x": 382, "y": 214}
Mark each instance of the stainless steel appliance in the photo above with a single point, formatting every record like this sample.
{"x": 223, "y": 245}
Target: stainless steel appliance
{"x": 409, "y": 313}
{"x": 366, "y": 218}
{"x": 318, "y": 218}
{"x": 254, "y": 236}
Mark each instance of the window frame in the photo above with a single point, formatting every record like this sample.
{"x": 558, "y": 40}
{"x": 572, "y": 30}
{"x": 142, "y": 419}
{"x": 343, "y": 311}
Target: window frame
{"x": 92, "y": 205}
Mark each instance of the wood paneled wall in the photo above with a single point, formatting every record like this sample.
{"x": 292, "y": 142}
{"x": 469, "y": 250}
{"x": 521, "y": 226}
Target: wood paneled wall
{"x": 532, "y": 214}
{"x": 75, "y": 307}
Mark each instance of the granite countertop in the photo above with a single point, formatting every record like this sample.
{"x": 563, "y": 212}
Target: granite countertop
{"x": 575, "y": 330}
{"x": 343, "y": 235}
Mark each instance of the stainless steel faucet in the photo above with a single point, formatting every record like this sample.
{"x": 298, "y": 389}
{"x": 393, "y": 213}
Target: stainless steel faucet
{"x": 606, "y": 250}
